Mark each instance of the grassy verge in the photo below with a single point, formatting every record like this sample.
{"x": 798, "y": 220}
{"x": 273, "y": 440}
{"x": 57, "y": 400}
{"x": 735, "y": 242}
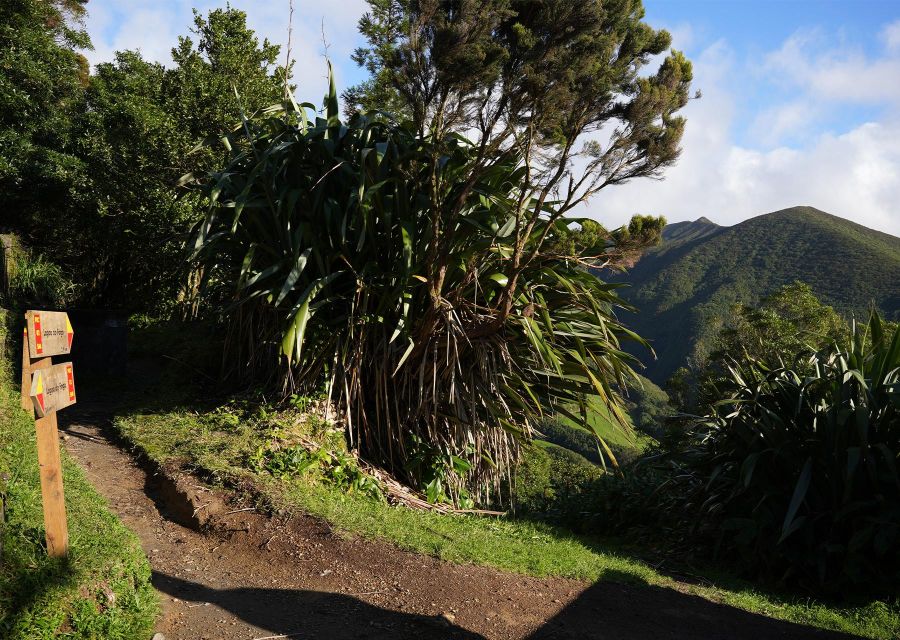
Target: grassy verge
{"x": 219, "y": 444}
{"x": 102, "y": 591}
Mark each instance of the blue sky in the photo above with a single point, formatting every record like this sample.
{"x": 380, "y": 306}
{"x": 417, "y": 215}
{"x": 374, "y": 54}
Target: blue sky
{"x": 801, "y": 98}
{"x": 753, "y": 30}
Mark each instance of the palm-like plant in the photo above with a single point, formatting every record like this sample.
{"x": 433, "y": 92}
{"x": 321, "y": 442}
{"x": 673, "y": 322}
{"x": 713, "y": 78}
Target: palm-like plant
{"x": 798, "y": 473}
{"x": 378, "y": 261}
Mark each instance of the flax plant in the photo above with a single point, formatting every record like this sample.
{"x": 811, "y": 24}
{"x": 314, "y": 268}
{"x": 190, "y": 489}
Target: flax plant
{"x": 323, "y": 238}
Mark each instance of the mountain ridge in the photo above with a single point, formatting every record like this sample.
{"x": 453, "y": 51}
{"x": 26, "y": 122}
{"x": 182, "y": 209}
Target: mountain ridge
{"x": 684, "y": 286}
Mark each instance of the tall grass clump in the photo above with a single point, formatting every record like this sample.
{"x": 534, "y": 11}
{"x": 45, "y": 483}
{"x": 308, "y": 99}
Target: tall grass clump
{"x": 795, "y": 476}
{"x": 36, "y": 281}
{"x": 416, "y": 280}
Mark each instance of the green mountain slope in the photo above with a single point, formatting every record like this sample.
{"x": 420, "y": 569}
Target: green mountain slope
{"x": 701, "y": 269}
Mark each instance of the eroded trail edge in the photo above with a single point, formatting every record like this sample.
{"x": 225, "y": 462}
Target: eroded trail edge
{"x": 249, "y": 576}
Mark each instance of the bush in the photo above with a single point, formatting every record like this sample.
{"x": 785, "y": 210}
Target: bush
{"x": 35, "y": 281}
{"x": 796, "y": 476}
{"x": 409, "y": 275}
{"x": 552, "y": 483}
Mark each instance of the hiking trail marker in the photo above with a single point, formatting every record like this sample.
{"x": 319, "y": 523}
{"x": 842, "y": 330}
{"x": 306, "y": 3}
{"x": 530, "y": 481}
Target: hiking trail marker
{"x": 52, "y": 389}
{"x": 47, "y": 388}
{"x": 49, "y": 333}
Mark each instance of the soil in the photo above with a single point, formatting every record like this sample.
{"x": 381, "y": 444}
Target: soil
{"x": 246, "y": 576}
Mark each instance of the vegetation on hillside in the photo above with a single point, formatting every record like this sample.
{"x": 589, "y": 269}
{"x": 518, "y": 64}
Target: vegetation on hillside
{"x": 784, "y": 329}
{"x": 685, "y": 288}
{"x": 793, "y": 475}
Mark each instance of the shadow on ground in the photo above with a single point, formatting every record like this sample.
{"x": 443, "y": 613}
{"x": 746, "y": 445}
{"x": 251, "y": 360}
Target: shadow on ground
{"x": 606, "y": 610}
{"x": 312, "y": 614}
{"x": 32, "y": 586}
{"x": 643, "y": 612}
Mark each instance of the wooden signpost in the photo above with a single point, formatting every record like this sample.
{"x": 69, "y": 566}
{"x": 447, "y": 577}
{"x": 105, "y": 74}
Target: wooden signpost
{"x": 49, "y": 333}
{"x": 46, "y": 388}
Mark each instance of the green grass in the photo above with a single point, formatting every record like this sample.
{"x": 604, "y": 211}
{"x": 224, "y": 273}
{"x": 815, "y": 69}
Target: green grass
{"x": 217, "y": 445}
{"x": 45, "y": 598}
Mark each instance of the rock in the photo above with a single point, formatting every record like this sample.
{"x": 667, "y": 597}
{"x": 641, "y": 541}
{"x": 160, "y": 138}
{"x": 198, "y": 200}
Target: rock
{"x": 158, "y": 636}
{"x": 448, "y": 618}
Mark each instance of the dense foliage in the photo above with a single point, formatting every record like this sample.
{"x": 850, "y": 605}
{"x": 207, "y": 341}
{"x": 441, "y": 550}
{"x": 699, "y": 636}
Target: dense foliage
{"x": 431, "y": 277}
{"x": 551, "y": 483}
{"x": 540, "y": 80}
{"x": 685, "y": 288}
{"x": 794, "y": 476}
{"x": 327, "y": 236}
{"x": 649, "y": 407}
{"x": 88, "y": 161}
{"x": 783, "y": 329}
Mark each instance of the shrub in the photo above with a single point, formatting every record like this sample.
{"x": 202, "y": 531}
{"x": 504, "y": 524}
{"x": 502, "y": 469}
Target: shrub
{"x": 407, "y": 272}
{"x": 796, "y": 476}
{"x": 335, "y": 467}
{"x": 35, "y": 281}
{"x": 553, "y": 482}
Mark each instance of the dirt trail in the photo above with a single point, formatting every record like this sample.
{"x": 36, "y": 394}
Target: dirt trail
{"x": 252, "y": 577}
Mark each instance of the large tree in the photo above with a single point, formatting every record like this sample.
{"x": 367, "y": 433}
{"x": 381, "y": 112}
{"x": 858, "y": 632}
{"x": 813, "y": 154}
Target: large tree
{"x": 557, "y": 82}
{"x": 42, "y": 82}
{"x": 227, "y": 71}
{"x": 89, "y": 162}
{"x": 426, "y": 268}
{"x": 783, "y": 329}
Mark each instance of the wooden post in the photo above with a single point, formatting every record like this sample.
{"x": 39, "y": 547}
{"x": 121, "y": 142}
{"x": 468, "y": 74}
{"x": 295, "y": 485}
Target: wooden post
{"x": 26, "y": 373}
{"x": 4, "y": 480}
{"x": 55, "y": 525}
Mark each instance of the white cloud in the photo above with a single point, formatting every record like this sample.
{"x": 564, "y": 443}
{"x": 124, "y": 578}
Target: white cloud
{"x": 838, "y": 72}
{"x": 890, "y": 35}
{"x": 793, "y": 118}
{"x": 854, "y": 174}
{"x": 153, "y": 28}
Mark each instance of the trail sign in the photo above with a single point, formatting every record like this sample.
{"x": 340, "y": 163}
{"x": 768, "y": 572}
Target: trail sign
{"x": 49, "y": 333}
{"x": 53, "y": 388}
{"x": 46, "y": 388}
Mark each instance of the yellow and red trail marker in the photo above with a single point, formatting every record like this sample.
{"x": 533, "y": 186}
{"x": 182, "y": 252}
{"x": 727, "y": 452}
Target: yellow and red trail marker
{"x": 47, "y": 388}
{"x": 49, "y": 333}
{"x": 53, "y": 388}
